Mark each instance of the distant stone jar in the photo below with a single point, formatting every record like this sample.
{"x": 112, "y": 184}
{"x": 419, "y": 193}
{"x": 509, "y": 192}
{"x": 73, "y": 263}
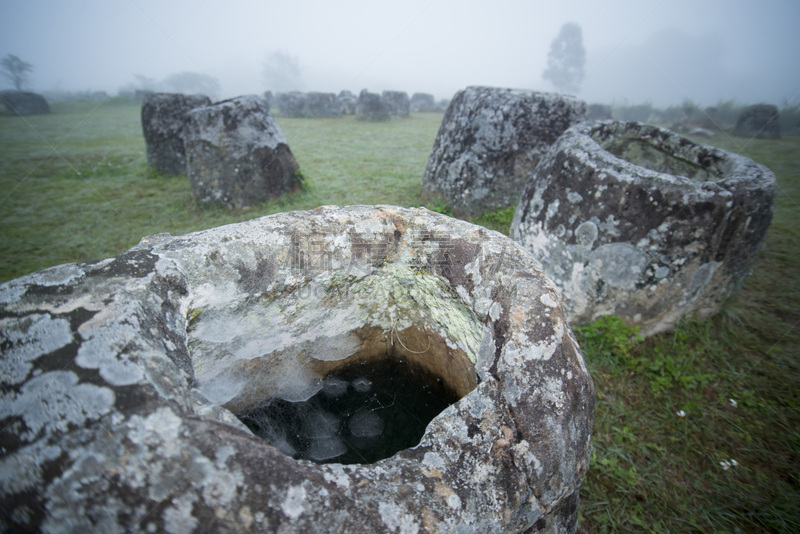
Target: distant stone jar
{"x": 124, "y": 378}
{"x": 397, "y": 102}
{"x": 371, "y": 107}
{"x": 24, "y": 103}
{"x": 322, "y": 105}
{"x": 598, "y": 112}
{"x": 489, "y": 142}
{"x": 347, "y": 102}
{"x": 163, "y": 121}
{"x": 236, "y": 154}
{"x": 760, "y": 120}
{"x": 422, "y": 103}
{"x": 291, "y": 104}
{"x": 639, "y": 222}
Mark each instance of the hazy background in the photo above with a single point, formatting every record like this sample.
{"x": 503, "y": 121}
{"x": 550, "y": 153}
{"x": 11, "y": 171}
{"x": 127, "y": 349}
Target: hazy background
{"x": 637, "y": 51}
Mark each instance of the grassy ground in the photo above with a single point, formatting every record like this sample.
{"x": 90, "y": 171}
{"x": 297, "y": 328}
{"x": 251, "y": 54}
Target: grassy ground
{"x": 699, "y": 430}
{"x": 74, "y": 184}
{"x": 673, "y": 452}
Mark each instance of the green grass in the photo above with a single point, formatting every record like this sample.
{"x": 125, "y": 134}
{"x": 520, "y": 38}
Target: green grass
{"x": 654, "y": 471}
{"x": 75, "y": 187}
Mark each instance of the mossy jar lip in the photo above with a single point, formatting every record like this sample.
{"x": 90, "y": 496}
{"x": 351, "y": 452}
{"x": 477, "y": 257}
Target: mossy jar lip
{"x": 653, "y": 152}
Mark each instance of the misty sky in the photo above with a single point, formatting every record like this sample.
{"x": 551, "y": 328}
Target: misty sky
{"x": 637, "y": 51}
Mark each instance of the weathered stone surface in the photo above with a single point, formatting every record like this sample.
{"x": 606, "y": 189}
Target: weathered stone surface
{"x": 639, "y": 222}
{"x": 163, "y": 120}
{"x": 348, "y": 102}
{"x": 489, "y": 142}
{"x": 322, "y": 105}
{"x": 269, "y": 98}
{"x": 292, "y": 104}
{"x": 24, "y": 103}
{"x": 761, "y": 120}
{"x": 118, "y": 375}
{"x": 396, "y": 102}
{"x": 371, "y": 107}
{"x": 422, "y": 103}
{"x": 598, "y": 112}
{"x": 237, "y": 155}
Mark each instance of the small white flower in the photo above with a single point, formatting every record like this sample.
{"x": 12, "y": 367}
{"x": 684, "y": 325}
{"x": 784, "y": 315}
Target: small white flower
{"x": 734, "y": 403}
{"x": 681, "y": 414}
{"x": 734, "y": 463}
{"x": 725, "y": 465}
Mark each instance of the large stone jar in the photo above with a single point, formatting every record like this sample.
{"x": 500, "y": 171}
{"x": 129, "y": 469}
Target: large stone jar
{"x": 121, "y": 379}
{"x": 237, "y": 155}
{"x": 163, "y": 122}
{"x": 639, "y": 222}
{"x": 490, "y": 141}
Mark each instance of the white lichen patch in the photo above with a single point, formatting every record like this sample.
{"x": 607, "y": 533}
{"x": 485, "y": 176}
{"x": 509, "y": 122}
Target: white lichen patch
{"x": 396, "y": 519}
{"x": 23, "y": 471}
{"x": 106, "y": 346}
{"x": 619, "y": 264}
{"x": 294, "y": 504}
{"x": 548, "y": 300}
{"x": 56, "y": 276}
{"x": 54, "y": 401}
{"x": 29, "y": 338}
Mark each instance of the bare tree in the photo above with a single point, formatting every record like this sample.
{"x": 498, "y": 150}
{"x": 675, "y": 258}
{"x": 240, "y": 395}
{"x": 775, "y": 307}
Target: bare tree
{"x": 16, "y": 70}
{"x": 566, "y": 59}
{"x": 282, "y": 72}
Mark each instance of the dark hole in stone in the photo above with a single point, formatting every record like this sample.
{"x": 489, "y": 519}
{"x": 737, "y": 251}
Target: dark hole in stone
{"x": 365, "y": 412}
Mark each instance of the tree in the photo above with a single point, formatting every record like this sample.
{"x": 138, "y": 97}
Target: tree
{"x": 566, "y": 59}
{"x": 282, "y": 72}
{"x": 16, "y": 70}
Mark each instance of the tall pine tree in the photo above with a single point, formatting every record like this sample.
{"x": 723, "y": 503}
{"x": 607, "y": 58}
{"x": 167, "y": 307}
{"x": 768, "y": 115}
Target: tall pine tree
{"x": 566, "y": 59}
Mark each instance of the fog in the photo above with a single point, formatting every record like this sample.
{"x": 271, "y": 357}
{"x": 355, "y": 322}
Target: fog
{"x": 661, "y": 52}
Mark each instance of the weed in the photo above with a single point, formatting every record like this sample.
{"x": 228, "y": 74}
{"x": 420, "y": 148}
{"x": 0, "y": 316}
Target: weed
{"x": 440, "y": 206}
{"x": 498, "y": 219}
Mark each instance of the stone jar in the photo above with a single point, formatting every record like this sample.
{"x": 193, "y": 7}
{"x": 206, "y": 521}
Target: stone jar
{"x": 397, "y": 103}
{"x": 163, "y": 121}
{"x": 122, "y": 377}
{"x": 490, "y": 141}
{"x": 371, "y": 107}
{"x": 24, "y": 103}
{"x": 760, "y": 120}
{"x": 237, "y": 155}
{"x": 639, "y": 222}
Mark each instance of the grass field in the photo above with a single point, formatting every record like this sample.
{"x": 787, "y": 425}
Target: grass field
{"x": 697, "y": 430}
